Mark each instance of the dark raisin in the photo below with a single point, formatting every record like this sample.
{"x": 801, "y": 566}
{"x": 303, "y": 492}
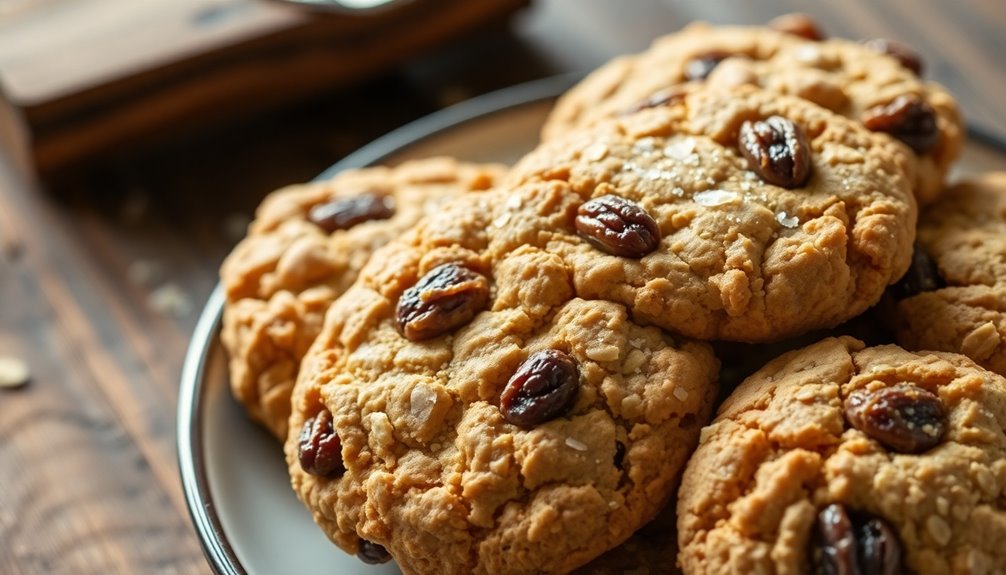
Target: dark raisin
{"x": 880, "y": 549}
{"x": 903, "y": 417}
{"x": 447, "y": 297}
{"x": 665, "y": 97}
{"x": 543, "y": 388}
{"x": 699, "y": 67}
{"x": 776, "y": 150}
{"x": 850, "y": 543}
{"x": 372, "y": 553}
{"x": 908, "y": 57}
{"x": 797, "y": 24}
{"x": 835, "y": 543}
{"x": 344, "y": 213}
{"x": 908, "y": 119}
{"x": 320, "y": 450}
{"x": 922, "y": 276}
{"x": 619, "y": 454}
{"x": 617, "y": 226}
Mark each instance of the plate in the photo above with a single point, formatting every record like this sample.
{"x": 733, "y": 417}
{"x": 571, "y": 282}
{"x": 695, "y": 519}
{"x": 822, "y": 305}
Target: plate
{"x": 233, "y": 472}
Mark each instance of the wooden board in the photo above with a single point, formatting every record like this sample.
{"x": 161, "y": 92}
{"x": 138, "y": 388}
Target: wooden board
{"x": 97, "y": 76}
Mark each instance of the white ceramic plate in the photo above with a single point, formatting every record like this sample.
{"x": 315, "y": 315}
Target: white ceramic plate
{"x": 247, "y": 517}
{"x": 233, "y": 472}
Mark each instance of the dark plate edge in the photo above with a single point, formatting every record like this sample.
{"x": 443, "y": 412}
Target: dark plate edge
{"x": 195, "y": 483}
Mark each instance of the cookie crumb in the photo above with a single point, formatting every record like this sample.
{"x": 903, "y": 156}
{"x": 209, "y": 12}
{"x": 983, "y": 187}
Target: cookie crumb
{"x": 171, "y": 299}
{"x": 14, "y": 373}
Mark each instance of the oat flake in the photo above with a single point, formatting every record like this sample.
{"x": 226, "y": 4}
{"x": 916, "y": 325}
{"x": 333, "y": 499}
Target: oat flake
{"x": 13, "y": 372}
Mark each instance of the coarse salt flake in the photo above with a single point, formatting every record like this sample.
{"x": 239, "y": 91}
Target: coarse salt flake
{"x": 680, "y": 149}
{"x": 787, "y": 221}
{"x": 576, "y": 444}
{"x": 713, "y": 198}
{"x": 421, "y": 402}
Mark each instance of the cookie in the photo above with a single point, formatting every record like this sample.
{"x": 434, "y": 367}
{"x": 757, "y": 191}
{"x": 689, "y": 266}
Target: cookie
{"x": 953, "y": 297}
{"x": 753, "y": 216}
{"x": 845, "y": 459}
{"x": 304, "y": 248}
{"x": 863, "y": 82}
{"x": 465, "y": 412}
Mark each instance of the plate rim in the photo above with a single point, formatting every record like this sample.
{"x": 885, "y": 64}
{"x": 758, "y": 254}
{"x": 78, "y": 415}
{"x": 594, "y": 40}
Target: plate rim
{"x": 213, "y": 540}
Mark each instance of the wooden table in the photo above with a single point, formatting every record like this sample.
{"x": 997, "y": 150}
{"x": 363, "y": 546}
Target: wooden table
{"x": 102, "y": 275}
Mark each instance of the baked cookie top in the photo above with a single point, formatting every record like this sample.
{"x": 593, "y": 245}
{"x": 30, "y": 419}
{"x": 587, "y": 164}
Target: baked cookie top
{"x": 304, "y": 248}
{"x": 745, "y": 215}
{"x": 873, "y": 83}
{"x": 953, "y": 297}
{"x": 466, "y": 412}
{"x": 853, "y": 460}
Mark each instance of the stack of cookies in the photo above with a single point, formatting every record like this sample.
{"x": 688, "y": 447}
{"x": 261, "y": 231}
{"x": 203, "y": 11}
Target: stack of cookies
{"x": 486, "y": 370}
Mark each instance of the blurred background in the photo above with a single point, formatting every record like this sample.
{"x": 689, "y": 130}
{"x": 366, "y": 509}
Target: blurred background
{"x": 137, "y": 136}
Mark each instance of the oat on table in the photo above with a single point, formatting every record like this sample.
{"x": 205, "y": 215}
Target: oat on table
{"x": 464, "y": 411}
{"x": 847, "y": 459}
{"x": 304, "y": 248}
{"x": 877, "y": 83}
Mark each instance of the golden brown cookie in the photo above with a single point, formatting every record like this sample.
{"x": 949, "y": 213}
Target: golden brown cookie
{"x": 855, "y": 80}
{"x": 768, "y": 215}
{"x": 953, "y": 297}
{"x": 847, "y": 459}
{"x": 465, "y": 412}
{"x": 305, "y": 248}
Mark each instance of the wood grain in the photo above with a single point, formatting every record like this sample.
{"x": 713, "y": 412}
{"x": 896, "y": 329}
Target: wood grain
{"x": 102, "y": 275}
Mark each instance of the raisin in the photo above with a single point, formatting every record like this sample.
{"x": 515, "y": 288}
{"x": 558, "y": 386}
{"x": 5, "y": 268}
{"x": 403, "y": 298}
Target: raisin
{"x": 447, "y": 297}
{"x": 849, "y": 543}
{"x": 344, "y": 213}
{"x": 777, "y": 151}
{"x": 880, "y": 549}
{"x": 922, "y": 276}
{"x": 699, "y": 67}
{"x": 835, "y": 543}
{"x": 543, "y": 388}
{"x": 372, "y": 553}
{"x": 908, "y": 119}
{"x": 903, "y": 417}
{"x": 797, "y": 24}
{"x": 617, "y": 226}
{"x": 320, "y": 450}
{"x": 905, "y": 55}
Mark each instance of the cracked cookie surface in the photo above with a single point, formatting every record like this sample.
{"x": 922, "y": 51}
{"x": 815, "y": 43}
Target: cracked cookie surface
{"x": 963, "y": 308}
{"x": 843, "y": 76}
{"x": 738, "y": 258}
{"x": 784, "y": 446}
{"x": 282, "y": 277}
{"x": 434, "y": 471}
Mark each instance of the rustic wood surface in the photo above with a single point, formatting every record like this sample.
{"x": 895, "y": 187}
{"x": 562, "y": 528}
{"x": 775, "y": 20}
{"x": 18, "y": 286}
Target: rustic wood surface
{"x": 102, "y": 275}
